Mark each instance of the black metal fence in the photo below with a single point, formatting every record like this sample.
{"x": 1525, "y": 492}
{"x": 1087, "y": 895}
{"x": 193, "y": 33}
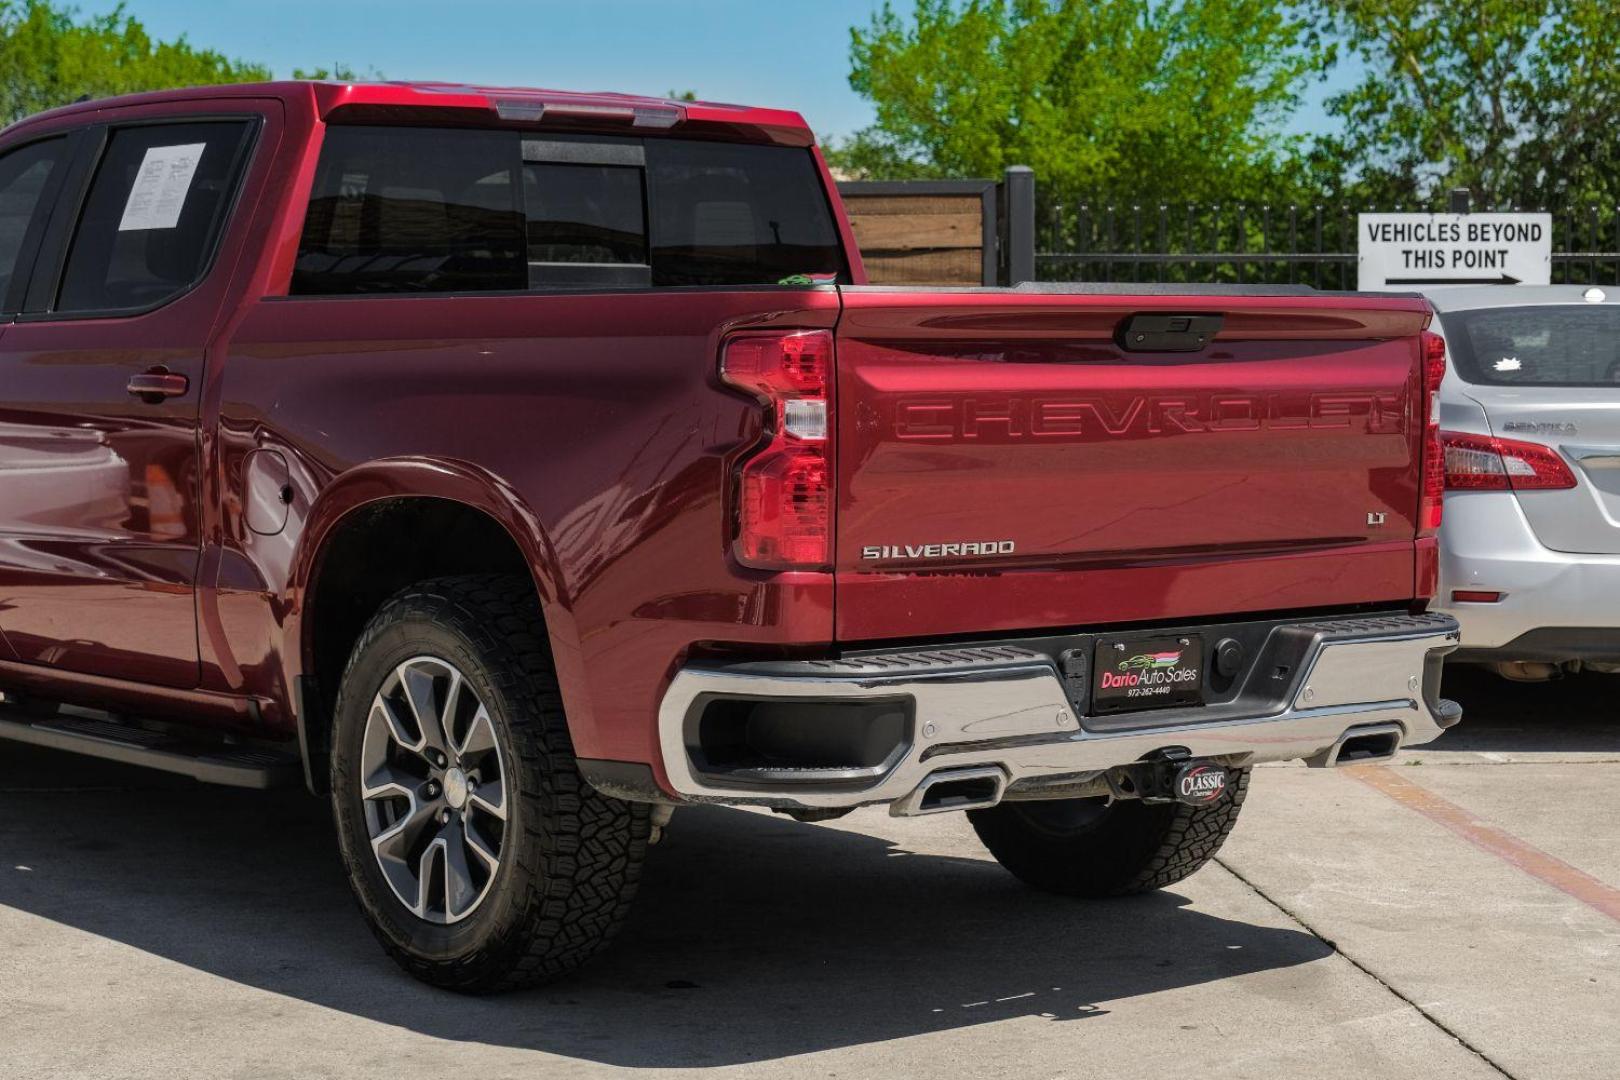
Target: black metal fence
{"x": 1263, "y": 244}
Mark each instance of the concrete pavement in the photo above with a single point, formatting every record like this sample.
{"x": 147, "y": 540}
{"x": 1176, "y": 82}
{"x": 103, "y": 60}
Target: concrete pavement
{"x": 150, "y": 928}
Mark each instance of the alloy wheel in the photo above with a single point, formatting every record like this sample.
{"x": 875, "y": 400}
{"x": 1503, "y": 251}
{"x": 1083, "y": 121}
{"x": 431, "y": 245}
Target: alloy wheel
{"x": 434, "y": 788}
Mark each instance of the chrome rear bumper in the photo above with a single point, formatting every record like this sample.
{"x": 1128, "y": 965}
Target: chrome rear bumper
{"x": 1004, "y": 708}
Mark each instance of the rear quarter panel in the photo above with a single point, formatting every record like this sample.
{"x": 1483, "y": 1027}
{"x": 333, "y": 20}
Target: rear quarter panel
{"x": 595, "y": 421}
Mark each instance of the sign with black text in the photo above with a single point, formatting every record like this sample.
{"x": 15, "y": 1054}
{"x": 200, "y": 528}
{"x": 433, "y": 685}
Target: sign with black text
{"x": 1412, "y": 251}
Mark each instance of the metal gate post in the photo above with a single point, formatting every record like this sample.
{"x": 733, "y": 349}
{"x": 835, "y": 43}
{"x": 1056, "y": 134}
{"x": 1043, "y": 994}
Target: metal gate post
{"x": 1019, "y": 185}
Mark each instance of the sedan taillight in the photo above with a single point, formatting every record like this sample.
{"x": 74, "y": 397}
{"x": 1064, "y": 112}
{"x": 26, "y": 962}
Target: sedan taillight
{"x": 784, "y": 490}
{"x": 1483, "y": 463}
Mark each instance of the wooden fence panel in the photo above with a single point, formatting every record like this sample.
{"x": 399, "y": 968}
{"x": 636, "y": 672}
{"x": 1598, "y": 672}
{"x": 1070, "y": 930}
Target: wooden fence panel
{"x": 924, "y": 232}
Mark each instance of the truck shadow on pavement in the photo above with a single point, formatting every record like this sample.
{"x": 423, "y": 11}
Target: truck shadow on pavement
{"x": 1576, "y": 715}
{"x": 754, "y": 937}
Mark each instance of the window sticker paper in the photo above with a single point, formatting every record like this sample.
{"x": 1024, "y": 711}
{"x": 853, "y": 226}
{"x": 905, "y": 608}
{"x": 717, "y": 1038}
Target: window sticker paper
{"x": 160, "y": 187}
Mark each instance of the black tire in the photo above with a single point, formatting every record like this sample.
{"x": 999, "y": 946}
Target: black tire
{"x": 1083, "y": 847}
{"x": 570, "y": 858}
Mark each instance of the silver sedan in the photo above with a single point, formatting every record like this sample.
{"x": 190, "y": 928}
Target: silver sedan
{"x": 1530, "y": 419}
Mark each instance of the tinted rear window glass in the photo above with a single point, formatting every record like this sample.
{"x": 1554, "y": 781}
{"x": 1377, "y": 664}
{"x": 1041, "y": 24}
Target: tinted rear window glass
{"x": 24, "y": 175}
{"x": 585, "y": 213}
{"x": 1555, "y": 345}
{"x": 436, "y": 210}
{"x": 153, "y": 214}
{"x": 727, "y": 214}
{"x": 414, "y": 210}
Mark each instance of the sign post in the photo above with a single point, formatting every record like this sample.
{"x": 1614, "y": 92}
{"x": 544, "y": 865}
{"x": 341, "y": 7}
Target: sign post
{"x": 1406, "y": 252}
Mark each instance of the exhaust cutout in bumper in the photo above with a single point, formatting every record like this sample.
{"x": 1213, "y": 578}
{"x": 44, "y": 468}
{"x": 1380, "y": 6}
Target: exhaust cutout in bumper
{"x": 1366, "y": 744}
{"x": 953, "y": 789}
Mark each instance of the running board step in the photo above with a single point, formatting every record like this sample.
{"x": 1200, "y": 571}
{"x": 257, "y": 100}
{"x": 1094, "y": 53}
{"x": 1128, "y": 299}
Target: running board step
{"x": 211, "y": 763}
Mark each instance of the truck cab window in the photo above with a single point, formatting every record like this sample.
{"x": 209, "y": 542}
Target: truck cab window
{"x": 732, "y": 214}
{"x": 413, "y": 210}
{"x": 587, "y": 224}
{"x": 153, "y": 215}
{"x": 447, "y": 210}
{"x": 24, "y": 176}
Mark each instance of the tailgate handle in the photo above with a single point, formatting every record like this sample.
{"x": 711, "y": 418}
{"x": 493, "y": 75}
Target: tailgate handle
{"x": 1168, "y": 333}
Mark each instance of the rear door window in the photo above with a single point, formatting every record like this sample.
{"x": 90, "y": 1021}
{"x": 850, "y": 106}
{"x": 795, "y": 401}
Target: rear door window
{"x": 26, "y": 175}
{"x": 153, "y": 214}
{"x": 1542, "y": 345}
{"x": 413, "y": 210}
{"x": 449, "y": 210}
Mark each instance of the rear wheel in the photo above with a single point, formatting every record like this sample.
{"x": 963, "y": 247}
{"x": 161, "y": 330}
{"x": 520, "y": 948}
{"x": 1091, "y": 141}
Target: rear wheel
{"x": 1094, "y": 847}
{"x": 478, "y": 855}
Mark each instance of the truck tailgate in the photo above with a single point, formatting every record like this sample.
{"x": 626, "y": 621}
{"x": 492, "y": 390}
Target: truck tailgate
{"x": 1003, "y": 462}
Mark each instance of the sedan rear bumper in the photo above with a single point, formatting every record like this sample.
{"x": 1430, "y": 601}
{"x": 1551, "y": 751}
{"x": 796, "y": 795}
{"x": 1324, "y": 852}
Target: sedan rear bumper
{"x": 1552, "y": 605}
{"x": 999, "y": 718}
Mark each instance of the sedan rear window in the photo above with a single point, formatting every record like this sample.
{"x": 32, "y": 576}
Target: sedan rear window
{"x": 1545, "y": 345}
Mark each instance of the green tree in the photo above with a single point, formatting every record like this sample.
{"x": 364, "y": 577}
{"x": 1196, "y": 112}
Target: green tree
{"x": 50, "y": 56}
{"x": 1127, "y": 100}
{"x": 338, "y": 73}
{"x": 1513, "y": 99}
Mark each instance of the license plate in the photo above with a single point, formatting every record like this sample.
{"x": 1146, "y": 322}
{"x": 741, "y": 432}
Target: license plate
{"x": 1147, "y": 673}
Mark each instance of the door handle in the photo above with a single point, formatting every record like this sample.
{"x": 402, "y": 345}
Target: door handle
{"x": 158, "y": 384}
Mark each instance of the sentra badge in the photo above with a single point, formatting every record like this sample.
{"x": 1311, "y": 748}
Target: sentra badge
{"x": 1540, "y": 427}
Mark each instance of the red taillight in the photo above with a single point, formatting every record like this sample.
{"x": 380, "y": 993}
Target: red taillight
{"x": 784, "y": 490}
{"x": 1481, "y": 463}
{"x": 1432, "y": 503}
{"x": 780, "y": 365}
{"x": 1475, "y": 596}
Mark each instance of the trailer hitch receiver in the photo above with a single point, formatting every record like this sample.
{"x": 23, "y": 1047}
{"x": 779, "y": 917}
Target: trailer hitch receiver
{"x": 1171, "y": 776}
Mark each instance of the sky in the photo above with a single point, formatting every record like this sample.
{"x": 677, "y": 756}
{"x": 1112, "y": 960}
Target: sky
{"x": 780, "y": 53}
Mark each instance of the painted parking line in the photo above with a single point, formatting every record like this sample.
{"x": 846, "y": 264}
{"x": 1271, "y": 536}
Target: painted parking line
{"x": 1546, "y": 868}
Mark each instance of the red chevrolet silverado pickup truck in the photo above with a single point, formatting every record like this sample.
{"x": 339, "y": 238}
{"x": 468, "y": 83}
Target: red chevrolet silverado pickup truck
{"x": 514, "y": 466}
